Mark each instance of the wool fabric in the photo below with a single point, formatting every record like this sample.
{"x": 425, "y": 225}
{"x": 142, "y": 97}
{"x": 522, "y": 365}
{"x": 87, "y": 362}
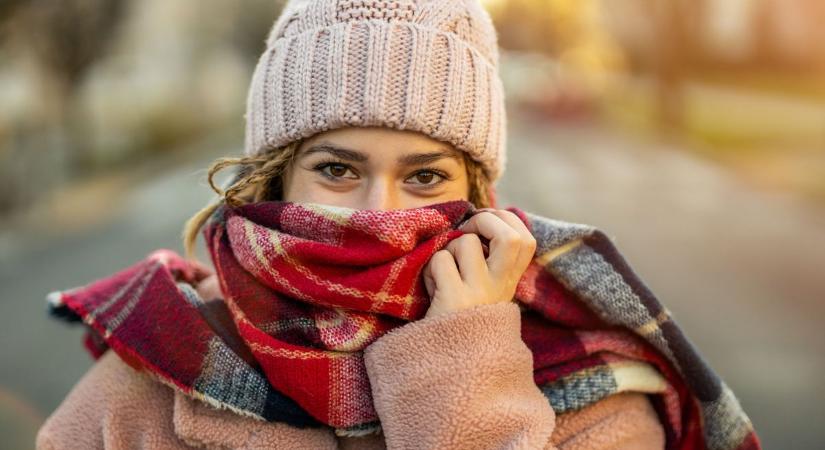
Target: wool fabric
{"x": 307, "y": 287}
{"x": 423, "y": 65}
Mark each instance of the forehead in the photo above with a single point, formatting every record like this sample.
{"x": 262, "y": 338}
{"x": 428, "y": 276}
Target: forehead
{"x": 379, "y": 141}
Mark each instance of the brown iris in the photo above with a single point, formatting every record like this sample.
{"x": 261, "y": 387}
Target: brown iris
{"x": 337, "y": 170}
{"x": 424, "y": 177}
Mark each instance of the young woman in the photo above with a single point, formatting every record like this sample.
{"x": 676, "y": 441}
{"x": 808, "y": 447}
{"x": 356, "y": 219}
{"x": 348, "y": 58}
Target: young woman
{"x": 364, "y": 282}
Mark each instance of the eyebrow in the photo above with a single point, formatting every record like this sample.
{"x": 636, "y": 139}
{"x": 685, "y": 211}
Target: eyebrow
{"x": 340, "y": 152}
{"x": 419, "y": 159}
{"x": 415, "y": 159}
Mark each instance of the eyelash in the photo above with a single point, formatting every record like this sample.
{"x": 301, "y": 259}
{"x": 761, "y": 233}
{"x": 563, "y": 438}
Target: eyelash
{"x": 331, "y": 162}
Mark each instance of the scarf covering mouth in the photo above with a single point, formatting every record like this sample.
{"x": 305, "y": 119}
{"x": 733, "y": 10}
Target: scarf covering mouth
{"x": 306, "y": 287}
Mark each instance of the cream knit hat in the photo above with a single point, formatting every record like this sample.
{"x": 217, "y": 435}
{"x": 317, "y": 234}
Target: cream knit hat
{"x": 424, "y": 65}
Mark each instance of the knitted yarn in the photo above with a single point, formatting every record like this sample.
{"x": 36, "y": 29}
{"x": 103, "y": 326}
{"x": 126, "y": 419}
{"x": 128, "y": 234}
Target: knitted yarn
{"x": 423, "y": 65}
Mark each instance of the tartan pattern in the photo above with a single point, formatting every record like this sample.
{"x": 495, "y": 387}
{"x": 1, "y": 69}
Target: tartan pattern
{"x": 306, "y": 287}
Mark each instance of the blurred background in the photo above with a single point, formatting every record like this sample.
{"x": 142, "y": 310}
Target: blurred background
{"x": 691, "y": 131}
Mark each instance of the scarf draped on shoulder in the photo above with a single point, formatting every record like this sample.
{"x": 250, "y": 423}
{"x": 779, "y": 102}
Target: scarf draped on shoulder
{"x": 306, "y": 287}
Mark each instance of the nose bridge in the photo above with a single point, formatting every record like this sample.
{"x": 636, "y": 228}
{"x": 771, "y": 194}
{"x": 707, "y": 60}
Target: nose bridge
{"x": 381, "y": 194}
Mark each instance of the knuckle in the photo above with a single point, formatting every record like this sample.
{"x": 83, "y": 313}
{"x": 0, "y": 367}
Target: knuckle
{"x": 469, "y": 239}
{"x": 511, "y": 238}
{"x": 441, "y": 254}
{"x": 442, "y": 257}
{"x": 510, "y": 214}
{"x": 472, "y": 222}
{"x": 436, "y": 263}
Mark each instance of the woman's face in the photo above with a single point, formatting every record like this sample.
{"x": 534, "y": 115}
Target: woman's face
{"x": 375, "y": 168}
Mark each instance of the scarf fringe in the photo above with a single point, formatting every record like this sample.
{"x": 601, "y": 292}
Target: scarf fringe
{"x": 373, "y": 428}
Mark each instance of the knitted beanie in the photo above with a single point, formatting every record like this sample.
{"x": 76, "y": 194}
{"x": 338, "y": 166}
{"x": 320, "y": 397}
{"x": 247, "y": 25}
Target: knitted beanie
{"x": 425, "y": 65}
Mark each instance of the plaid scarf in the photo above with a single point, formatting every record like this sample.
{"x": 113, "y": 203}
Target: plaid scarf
{"x": 307, "y": 287}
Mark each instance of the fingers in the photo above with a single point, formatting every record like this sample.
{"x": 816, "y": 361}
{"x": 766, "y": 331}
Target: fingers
{"x": 462, "y": 261}
{"x": 511, "y": 243}
{"x": 504, "y": 240}
{"x": 513, "y": 220}
{"x": 442, "y": 271}
{"x": 468, "y": 254}
{"x": 527, "y": 249}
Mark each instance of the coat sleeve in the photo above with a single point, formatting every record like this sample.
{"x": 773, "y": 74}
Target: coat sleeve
{"x": 465, "y": 380}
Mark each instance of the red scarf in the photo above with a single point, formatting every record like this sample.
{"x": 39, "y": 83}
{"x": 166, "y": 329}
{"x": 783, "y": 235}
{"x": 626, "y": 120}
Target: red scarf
{"x": 307, "y": 287}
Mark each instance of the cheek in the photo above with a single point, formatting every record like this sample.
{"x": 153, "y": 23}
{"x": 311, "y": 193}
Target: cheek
{"x": 460, "y": 189}
{"x": 295, "y": 186}
{"x": 301, "y": 186}
{"x": 454, "y": 191}
{"x": 291, "y": 185}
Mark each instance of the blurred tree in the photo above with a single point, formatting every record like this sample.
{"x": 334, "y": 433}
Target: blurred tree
{"x": 789, "y": 35}
{"x": 66, "y": 38}
{"x": 8, "y": 8}
{"x": 546, "y": 26}
{"x": 572, "y": 32}
{"x": 57, "y": 43}
{"x": 70, "y": 35}
{"x": 669, "y": 61}
{"x": 562, "y": 28}
{"x": 252, "y": 25}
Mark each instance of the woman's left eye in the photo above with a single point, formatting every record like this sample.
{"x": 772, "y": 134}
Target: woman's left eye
{"x": 426, "y": 177}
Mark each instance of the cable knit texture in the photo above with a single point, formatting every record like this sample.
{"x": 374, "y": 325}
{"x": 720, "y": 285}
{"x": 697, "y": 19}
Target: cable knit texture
{"x": 423, "y": 65}
{"x": 428, "y": 390}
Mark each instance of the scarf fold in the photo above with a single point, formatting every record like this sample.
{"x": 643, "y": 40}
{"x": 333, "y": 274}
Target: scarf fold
{"x": 306, "y": 287}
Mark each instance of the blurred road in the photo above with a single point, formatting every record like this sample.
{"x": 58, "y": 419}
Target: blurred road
{"x": 740, "y": 269}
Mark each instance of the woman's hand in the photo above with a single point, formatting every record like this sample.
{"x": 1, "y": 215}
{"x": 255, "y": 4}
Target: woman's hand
{"x": 459, "y": 277}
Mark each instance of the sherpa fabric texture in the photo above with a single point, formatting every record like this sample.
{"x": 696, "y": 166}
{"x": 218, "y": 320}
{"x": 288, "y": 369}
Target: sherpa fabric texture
{"x": 422, "y": 65}
{"x": 479, "y": 395}
{"x": 308, "y": 287}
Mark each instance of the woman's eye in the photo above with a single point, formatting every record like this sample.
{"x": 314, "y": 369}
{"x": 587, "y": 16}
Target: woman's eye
{"x": 332, "y": 170}
{"x": 426, "y": 177}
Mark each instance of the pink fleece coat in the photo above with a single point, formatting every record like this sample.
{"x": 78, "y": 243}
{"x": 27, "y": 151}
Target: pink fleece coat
{"x": 458, "y": 381}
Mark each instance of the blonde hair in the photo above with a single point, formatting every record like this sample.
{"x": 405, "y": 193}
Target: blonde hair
{"x": 260, "y": 178}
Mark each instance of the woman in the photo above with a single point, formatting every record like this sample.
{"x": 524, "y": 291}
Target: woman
{"x": 363, "y": 283}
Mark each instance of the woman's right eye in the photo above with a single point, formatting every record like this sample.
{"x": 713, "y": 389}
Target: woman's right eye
{"x": 334, "y": 171}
